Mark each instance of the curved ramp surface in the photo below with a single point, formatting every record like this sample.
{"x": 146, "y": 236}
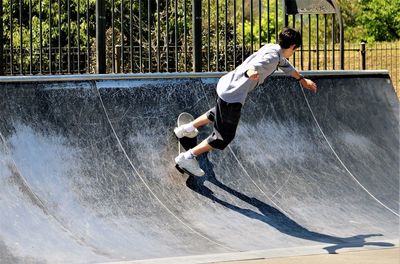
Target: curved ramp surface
{"x": 87, "y": 172}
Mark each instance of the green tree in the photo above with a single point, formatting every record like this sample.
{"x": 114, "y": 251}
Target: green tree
{"x": 353, "y": 30}
{"x": 381, "y": 19}
{"x": 371, "y": 20}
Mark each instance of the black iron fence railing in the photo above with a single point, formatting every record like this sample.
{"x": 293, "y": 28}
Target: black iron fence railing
{"x": 126, "y": 36}
{"x": 75, "y": 36}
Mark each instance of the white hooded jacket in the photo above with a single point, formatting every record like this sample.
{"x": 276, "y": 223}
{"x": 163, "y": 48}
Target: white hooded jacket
{"x": 234, "y": 86}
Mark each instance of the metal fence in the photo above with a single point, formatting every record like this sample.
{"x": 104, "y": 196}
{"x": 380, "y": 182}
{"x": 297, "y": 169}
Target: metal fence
{"x": 59, "y": 37}
{"x": 358, "y": 56}
{"x": 376, "y": 56}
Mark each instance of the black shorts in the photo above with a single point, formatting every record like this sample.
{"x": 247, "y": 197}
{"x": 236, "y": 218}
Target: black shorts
{"x": 226, "y": 119}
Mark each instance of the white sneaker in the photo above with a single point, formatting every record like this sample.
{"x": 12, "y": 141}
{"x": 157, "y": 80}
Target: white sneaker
{"x": 191, "y": 166}
{"x": 180, "y": 132}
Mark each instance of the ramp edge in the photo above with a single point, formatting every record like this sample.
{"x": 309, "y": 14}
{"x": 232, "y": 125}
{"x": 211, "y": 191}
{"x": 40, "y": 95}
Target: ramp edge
{"x": 141, "y": 76}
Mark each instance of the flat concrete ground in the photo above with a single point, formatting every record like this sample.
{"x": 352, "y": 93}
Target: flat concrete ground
{"x": 379, "y": 256}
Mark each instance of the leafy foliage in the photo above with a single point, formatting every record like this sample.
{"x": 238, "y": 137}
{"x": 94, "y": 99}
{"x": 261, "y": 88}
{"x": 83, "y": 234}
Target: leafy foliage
{"x": 371, "y": 20}
{"x": 381, "y": 19}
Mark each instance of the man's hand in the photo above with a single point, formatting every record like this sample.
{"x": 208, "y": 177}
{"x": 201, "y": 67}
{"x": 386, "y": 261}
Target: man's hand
{"x": 308, "y": 84}
{"x": 253, "y": 75}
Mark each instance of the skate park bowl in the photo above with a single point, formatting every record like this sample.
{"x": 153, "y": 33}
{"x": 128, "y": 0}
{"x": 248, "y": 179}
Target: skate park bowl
{"x": 88, "y": 176}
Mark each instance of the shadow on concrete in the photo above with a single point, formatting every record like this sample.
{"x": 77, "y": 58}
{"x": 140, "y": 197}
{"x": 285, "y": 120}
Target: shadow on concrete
{"x": 272, "y": 216}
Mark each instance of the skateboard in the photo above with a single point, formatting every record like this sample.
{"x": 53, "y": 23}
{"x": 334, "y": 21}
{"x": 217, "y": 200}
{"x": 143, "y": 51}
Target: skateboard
{"x": 185, "y": 143}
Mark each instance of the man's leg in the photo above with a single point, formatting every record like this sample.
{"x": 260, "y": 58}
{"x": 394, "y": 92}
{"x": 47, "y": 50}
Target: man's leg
{"x": 187, "y": 160}
{"x": 201, "y": 148}
{"x": 201, "y": 121}
{"x": 190, "y": 129}
{"x": 225, "y": 117}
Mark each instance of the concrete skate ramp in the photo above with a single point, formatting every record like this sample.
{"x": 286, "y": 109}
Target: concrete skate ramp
{"x": 87, "y": 172}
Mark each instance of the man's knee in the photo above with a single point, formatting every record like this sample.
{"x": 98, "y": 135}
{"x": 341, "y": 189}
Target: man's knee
{"x": 220, "y": 142}
{"x": 211, "y": 114}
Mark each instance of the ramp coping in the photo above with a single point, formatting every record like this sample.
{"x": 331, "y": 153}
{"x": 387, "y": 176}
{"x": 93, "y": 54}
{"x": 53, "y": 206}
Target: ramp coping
{"x": 140, "y": 76}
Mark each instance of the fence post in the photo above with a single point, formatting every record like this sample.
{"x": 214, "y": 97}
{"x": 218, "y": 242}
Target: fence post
{"x": 341, "y": 36}
{"x": 118, "y": 49}
{"x": 1, "y": 39}
{"x": 363, "y": 55}
{"x": 285, "y": 16}
{"x": 101, "y": 36}
{"x": 197, "y": 34}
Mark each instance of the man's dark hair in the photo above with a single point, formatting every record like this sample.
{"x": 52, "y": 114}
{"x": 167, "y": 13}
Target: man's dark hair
{"x": 288, "y": 37}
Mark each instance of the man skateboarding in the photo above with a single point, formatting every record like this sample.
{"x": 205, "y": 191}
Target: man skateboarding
{"x": 232, "y": 90}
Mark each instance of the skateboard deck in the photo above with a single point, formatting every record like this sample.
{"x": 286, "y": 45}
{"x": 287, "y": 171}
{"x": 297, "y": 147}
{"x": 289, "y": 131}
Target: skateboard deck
{"x": 185, "y": 143}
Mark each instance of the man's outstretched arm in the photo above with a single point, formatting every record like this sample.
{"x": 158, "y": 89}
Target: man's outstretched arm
{"x": 306, "y": 83}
